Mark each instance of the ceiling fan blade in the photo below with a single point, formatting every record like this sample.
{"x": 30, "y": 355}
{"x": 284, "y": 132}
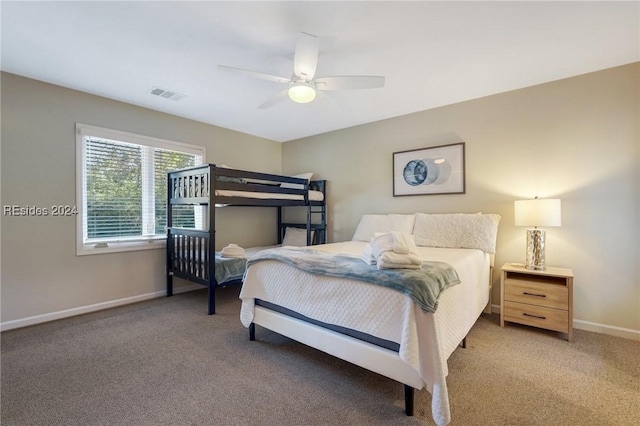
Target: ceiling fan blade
{"x": 346, "y": 82}
{"x": 255, "y": 74}
{"x": 278, "y": 97}
{"x": 305, "y": 59}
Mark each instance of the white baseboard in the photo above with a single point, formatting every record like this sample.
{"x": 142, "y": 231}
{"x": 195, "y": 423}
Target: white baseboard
{"x": 611, "y": 330}
{"x": 39, "y": 319}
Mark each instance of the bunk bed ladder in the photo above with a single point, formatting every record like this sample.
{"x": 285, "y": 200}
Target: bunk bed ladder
{"x": 320, "y": 226}
{"x": 316, "y": 218}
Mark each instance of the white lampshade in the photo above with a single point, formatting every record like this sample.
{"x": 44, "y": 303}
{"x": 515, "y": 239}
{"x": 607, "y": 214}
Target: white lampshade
{"x": 302, "y": 92}
{"x": 538, "y": 212}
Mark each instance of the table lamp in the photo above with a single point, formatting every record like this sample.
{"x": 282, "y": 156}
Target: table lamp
{"x": 537, "y": 212}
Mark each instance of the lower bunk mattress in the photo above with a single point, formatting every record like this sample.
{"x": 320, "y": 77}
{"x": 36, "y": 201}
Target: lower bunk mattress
{"x": 231, "y": 269}
{"x": 423, "y": 341}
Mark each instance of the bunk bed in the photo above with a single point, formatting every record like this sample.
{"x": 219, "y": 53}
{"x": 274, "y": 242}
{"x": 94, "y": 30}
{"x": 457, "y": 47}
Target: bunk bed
{"x": 191, "y": 252}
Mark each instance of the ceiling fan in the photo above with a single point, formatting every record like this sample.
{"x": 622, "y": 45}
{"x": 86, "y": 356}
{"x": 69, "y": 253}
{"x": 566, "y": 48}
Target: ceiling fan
{"x": 302, "y": 85}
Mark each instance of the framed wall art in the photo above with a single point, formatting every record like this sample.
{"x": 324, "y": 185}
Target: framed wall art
{"x": 428, "y": 171}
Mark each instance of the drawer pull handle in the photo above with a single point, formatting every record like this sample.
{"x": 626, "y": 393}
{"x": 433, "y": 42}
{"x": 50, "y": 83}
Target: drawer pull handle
{"x": 534, "y": 316}
{"x": 533, "y": 294}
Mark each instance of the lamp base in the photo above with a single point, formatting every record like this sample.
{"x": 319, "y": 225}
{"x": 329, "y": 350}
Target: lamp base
{"x": 535, "y": 249}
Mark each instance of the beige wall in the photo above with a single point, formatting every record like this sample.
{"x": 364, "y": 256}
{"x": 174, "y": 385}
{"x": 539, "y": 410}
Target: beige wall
{"x": 575, "y": 139}
{"x": 41, "y": 273}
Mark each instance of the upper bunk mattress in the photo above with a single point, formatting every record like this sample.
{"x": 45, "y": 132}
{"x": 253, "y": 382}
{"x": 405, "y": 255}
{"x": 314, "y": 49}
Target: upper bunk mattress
{"x": 313, "y": 195}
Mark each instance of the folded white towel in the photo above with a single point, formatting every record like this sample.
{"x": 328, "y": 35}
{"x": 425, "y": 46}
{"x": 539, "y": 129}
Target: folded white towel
{"x": 403, "y": 243}
{"x": 232, "y": 250}
{"x": 392, "y": 250}
{"x": 392, "y": 260}
{"x": 381, "y": 243}
{"x": 385, "y": 265}
{"x": 367, "y": 255}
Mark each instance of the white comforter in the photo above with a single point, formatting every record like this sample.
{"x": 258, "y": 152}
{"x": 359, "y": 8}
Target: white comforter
{"x": 426, "y": 340}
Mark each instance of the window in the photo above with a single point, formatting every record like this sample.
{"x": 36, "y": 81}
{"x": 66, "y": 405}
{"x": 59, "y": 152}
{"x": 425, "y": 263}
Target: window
{"x": 122, "y": 189}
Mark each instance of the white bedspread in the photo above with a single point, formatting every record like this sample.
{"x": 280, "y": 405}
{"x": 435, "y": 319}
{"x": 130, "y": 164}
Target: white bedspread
{"x": 426, "y": 340}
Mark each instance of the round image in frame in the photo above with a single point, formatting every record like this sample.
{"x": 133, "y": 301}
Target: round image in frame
{"x": 415, "y": 172}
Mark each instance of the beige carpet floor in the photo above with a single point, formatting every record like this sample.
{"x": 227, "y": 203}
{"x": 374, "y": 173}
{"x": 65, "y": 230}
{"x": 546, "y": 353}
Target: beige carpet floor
{"x": 165, "y": 362}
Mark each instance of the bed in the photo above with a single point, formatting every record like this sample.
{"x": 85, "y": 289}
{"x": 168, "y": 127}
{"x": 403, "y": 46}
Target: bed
{"x": 375, "y": 327}
{"x": 191, "y": 252}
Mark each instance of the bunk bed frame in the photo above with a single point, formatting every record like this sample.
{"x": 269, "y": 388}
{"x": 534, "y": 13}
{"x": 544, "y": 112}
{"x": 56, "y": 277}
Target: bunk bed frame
{"x": 191, "y": 252}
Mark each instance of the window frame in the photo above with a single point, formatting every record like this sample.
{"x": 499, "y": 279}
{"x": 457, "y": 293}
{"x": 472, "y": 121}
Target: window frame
{"x": 142, "y": 242}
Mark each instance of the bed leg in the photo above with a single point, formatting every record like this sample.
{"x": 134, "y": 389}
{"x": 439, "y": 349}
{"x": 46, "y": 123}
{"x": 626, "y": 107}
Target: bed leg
{"x": 463, "y": 344}
{"x": 252, "y": 332}
{"x": 212, "y": 300}
{"x": 408, "y": 400}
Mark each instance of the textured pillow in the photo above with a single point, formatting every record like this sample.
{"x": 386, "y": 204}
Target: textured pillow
{"x": 296, "y": 237}
{"x": 306, "y": 176}
{"x": 371, "y": 223}
{"x": 457, "y": 230}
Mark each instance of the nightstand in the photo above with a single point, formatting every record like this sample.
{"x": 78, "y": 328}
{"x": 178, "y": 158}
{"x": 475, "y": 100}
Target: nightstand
{"x": 541, "y": 299}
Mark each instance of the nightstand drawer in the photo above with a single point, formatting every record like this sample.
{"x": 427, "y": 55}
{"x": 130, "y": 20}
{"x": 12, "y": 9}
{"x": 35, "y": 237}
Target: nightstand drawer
{"x": 537, "y": 293}
{"x": 537, "y": 316}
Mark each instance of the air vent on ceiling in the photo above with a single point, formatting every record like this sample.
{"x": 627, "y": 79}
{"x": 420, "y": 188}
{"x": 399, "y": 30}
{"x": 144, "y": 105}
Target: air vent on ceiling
{"x": 168, "y": 94}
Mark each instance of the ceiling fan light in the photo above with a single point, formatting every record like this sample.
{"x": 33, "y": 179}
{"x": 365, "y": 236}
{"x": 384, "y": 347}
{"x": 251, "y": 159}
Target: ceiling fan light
{"x": 302, "y": 93}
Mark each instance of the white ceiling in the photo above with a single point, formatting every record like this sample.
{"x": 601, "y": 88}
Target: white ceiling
{"x": 431, "y": 53}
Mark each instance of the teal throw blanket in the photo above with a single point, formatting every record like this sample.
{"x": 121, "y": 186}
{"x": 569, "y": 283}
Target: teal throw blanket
{"x": 229, "y": 268}
{"x": 423, "y": 285}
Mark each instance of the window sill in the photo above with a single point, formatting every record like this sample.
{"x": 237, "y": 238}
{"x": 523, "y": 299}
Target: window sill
{"x": 83, "y": 250}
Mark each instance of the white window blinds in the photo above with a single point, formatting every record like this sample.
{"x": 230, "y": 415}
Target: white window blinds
{"x": 113, "y": 192}
{"x": 123, "y": 188}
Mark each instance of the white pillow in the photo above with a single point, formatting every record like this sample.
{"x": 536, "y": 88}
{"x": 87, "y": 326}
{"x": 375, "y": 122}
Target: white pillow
{"x": 296, "y": 237}
{"x": 371, "y": 223}
{"x": 457, "y": 230}
{"x": 306, "y": 176}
